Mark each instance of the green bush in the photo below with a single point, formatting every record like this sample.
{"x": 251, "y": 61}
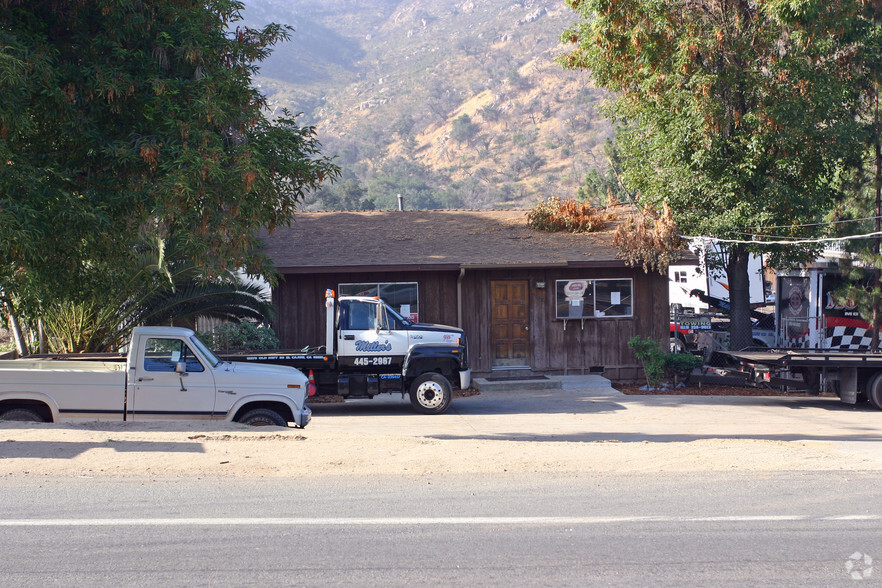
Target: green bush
{"x": 652, "y": 357}
{"x": 679, "y": 365}
{"x": 241, "y": 336}
{"x": 657, "y": 364}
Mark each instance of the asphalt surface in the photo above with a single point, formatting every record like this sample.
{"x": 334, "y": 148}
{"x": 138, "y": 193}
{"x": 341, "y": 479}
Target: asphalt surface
{"x": 818, "y": 526}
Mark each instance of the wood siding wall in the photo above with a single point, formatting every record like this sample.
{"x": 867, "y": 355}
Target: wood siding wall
{"x": 600, "y": 344}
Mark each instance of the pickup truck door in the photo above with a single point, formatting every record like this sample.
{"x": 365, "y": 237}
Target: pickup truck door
{"x": 160, "y": 392}
{"x": 360, "y": 343}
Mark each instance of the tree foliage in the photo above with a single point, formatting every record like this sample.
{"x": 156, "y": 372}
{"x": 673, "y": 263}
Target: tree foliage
{"x": 601, "y": 184}
{"x": 463, "y": 130}
{"x": 736, "y": 120}
{"x": 649, "y": 238}
{"x": 130, "y": 120}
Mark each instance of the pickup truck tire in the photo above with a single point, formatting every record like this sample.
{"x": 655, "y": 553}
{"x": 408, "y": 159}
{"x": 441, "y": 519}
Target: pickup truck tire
{"x": 874, "y": 390}
{"x": 22, "y": 414}
{"x": 263, "y": 417}
{"x": 431, "y": 394}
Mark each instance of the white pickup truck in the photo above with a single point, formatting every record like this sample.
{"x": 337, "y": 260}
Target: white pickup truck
{"x": 168, "y": 374}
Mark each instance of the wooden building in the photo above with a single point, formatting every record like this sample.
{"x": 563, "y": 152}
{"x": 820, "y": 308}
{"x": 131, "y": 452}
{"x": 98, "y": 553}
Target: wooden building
{"x": 544, "y": 303}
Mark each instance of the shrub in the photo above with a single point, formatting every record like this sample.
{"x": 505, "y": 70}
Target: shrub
{"x": 679, "y": 365}
{"x": 241, "y": 336}
{"x": 657, "y": 364}
{"x": 652, "y": 357}
{"x": 554, "y": 215}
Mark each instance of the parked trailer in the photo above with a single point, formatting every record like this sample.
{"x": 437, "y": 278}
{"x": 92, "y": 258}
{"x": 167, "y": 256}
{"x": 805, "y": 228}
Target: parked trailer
{"x": 854, "y": 376}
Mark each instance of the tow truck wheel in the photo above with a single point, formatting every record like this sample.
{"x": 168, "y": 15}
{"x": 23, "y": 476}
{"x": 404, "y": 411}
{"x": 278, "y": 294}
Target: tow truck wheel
{"x": 874, "y": 390}
{"x": 431, "y": 394}
{"x": 262, "y": 417}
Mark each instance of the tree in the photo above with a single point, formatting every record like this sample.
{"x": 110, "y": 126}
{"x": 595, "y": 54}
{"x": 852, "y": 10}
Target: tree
{"x": 463, "y": 130}
{"x": 130, "y": 120}
{"x": 735, "y": 120}
{"x": 862, "y": 183}
{"x": 601, "y": 184}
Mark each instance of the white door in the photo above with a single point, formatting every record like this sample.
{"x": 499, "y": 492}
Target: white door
{"x": 360, "y": 343}
{"x": 162, "y": 393}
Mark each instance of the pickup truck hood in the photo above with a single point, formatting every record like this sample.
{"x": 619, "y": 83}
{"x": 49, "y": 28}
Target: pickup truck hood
{"x": 256, "y": 372}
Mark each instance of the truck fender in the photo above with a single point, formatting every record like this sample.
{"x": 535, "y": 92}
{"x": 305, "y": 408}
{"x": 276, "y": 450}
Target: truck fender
{"x": 438, "y": 357}
{"x": 262, "y": 398}
{"x": 11, "y": 397}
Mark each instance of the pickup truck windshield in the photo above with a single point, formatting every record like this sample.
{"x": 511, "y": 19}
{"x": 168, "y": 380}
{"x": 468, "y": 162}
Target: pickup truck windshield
{"x": 209, "y": 355}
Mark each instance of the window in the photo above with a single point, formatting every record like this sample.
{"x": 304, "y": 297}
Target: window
{"x": 362, "y": 316}
{"x": 680, "y": 277}
{"x": 162, "y": 355}
{"x": 594, "y": 298}
{"x": 403, "y": 297}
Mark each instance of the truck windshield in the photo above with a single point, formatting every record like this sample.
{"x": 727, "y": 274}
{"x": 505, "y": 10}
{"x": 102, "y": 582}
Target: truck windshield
{"x": 395, "y": 316}
{"x": 209, "y": 355}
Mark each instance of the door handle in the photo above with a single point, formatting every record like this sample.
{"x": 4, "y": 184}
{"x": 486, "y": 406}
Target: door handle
{"x": 349, "y": 337}
{"x": 145, "y": 379}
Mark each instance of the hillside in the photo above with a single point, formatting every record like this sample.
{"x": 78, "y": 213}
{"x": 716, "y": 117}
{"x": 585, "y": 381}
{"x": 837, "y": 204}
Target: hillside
{"x": 450, "y": 103}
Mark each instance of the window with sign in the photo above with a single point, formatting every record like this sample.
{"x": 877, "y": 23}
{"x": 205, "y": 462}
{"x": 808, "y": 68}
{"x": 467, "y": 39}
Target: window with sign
{"x": 403, "y": 297}
{"x": 579, "y": 299}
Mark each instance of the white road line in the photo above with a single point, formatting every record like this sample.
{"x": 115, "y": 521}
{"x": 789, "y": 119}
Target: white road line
{"x": 418, "y": 521}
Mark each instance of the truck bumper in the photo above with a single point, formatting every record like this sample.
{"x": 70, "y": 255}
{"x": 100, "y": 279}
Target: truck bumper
{"x": 465, "y": 379}
{"x": 302, "y": 418}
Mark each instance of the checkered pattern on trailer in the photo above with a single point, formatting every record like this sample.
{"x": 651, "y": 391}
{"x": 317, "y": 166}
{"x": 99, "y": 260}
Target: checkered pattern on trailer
{"x": 847, "y": 338}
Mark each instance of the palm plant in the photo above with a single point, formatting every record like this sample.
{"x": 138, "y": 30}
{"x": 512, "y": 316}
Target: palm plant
{"x": 160, "y": 287}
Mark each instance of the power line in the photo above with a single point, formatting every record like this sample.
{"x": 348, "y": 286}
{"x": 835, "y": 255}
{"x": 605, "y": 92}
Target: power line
{"x": 785, "y": 242}
{"x": 822, "y": 224}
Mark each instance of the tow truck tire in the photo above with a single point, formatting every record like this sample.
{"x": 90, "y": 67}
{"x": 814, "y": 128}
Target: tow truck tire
{"x": 22, "y": 414}
{"x": 431, "y": 394}
{"x": 263, "y": 417}
{"x": 874, "y": 390}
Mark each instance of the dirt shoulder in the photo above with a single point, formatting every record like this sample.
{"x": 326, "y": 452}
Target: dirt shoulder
{"x": 560, "y": 431}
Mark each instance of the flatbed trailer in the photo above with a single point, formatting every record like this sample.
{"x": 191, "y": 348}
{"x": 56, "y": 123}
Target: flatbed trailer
{"x": 855, "y": 376}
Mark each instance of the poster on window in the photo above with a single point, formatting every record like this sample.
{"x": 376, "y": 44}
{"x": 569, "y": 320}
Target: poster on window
{"x": 580, "y": 298}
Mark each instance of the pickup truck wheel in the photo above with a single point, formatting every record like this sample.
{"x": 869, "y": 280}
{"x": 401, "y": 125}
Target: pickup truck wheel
{"x": 431, "y": 394}
{"x": 874, "y": 390}
{"x": 22, "y": 414}
{"x": 263, "y": 417}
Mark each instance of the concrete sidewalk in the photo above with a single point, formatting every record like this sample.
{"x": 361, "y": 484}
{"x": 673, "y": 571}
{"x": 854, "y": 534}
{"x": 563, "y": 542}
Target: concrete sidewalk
{"x": 586, "y": 382}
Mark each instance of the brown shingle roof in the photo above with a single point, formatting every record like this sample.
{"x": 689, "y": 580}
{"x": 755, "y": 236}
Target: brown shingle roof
{"x": 429, "y": 239}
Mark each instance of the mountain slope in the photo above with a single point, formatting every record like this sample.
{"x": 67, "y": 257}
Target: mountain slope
{"x": 450, "y": 103}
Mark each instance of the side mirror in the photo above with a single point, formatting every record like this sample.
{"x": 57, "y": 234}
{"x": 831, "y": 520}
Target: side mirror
{"x": 181, "y": 368}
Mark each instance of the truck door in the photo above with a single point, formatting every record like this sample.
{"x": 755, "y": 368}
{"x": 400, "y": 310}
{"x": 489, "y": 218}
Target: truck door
{"x": 369, "y": 336}
{"x": 160, "y": 392}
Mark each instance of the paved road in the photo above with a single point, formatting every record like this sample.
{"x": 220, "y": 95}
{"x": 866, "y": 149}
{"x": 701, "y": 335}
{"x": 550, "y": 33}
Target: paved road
{"x": 593, "y": 527}
{"x": 661, "y": 530}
